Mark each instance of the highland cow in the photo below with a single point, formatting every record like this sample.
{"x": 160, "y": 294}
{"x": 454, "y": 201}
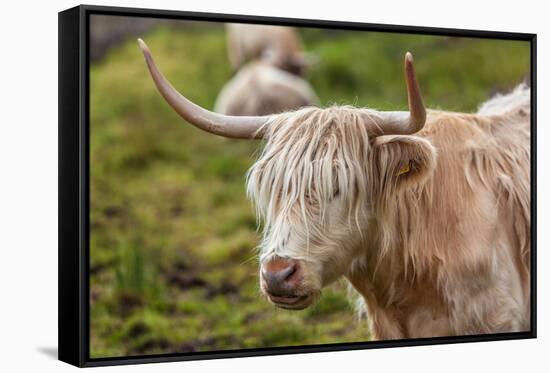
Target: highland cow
{"x": 426, "y": 213}
{"x": 259, "y": 89}
{"x": 279, "y": 46}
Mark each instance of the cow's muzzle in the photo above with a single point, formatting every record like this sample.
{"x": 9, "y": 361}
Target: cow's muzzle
{"x": 282, "y": 281}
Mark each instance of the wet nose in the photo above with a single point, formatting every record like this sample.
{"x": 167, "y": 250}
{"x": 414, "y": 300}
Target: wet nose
{"x": 280, "y": 276}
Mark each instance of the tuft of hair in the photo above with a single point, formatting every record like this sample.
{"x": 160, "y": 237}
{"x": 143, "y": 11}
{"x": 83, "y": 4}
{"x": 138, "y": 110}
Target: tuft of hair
{"x": 518, "y": 98}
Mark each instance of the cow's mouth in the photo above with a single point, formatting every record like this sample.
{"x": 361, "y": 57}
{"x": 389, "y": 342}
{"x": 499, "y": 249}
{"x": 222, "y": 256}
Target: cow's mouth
{"x": 292, "y": 302}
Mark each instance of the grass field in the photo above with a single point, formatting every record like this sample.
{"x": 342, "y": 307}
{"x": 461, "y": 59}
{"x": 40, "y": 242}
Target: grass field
{"x": 173, "y": 237}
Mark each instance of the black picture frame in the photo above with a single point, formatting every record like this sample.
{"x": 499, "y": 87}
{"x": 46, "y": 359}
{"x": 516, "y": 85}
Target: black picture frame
{"x": 74, "y": 165}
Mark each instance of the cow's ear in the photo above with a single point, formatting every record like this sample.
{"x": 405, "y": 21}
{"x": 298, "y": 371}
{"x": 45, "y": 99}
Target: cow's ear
{"x": 402, "y": 161}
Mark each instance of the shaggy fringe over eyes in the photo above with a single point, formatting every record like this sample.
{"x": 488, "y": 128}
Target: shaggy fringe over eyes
{"x": 310, "y": 157}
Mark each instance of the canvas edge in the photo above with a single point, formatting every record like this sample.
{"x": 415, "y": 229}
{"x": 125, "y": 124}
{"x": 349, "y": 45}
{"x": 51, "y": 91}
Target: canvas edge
{"x": 69, "y": 187}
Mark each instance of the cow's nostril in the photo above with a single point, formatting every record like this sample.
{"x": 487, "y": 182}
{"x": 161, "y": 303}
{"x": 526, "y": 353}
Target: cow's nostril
{"x": 278, "y": 275}
{"x": 287, "y": 272}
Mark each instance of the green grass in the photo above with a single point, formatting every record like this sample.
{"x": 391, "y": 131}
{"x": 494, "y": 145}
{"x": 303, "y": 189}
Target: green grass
{"x": 173, "y": 264}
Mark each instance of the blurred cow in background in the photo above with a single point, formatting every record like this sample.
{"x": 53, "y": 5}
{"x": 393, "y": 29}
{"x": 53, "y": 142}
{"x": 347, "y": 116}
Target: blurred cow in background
{"x": 270, "y": 61}
{"x": 278, "y": 46}
{"x": 260, "y": 89}
{"x": 425, "y": 212}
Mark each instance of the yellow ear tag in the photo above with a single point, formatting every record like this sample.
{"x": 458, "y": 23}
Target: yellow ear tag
{"x": 404, "y": 169}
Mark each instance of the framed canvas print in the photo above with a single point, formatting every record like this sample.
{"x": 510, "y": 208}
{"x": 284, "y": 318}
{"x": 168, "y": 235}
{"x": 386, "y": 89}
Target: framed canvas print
{"x": 235, "y": 186}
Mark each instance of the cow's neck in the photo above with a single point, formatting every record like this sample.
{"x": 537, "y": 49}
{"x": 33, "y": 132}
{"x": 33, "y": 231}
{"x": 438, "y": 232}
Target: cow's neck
{"x": 397, "y": 272}
{"x": 395, "y": 292}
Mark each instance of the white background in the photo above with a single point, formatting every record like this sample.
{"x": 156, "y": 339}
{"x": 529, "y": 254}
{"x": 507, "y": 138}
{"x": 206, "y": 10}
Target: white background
{"x": 28, "y": 185}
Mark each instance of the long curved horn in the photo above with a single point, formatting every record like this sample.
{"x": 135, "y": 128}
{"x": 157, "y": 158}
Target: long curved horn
{"x": 239, "y": 127}
{"x": 403, "y": 122}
